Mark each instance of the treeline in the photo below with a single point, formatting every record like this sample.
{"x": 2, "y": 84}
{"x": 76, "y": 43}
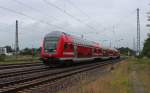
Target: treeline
{"x": 30, "y": 51}
{"x": 145, "y": 52}
{"x": 125, "y": 51}
{"x": 146, "y": 48}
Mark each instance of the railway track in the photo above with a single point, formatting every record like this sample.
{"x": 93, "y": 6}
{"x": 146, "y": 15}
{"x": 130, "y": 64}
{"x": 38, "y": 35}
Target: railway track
{"x": 21, "y": 72}
{"x": 10, "y": 66}
{"x": 15, "y": 83}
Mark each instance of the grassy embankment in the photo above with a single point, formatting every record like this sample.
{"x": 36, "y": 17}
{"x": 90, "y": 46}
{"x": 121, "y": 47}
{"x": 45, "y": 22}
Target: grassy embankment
{"x": 142, "y": 68}
{"x": 118, "y": 80}
{"x": 19, "y": 59}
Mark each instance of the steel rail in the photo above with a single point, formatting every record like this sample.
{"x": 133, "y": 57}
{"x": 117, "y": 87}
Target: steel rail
{"x": 16, "y": 86}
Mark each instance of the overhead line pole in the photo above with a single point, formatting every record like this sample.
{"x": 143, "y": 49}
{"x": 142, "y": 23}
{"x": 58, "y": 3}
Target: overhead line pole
{"x": 16, "y": 40}
{"x": 138, "y": 33}
{"x": 134, "y": 44}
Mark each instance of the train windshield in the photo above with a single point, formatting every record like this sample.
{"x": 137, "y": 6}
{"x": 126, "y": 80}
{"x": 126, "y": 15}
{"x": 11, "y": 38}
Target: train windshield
{"x": 50, "y": 44}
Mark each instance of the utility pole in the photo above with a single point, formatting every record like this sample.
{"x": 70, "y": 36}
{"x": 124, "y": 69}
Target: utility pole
{"x": 16, "y": 39}
{"x": 114, "y": 34}
{"x": 138, "y": 33}
{"x": 134, "y": 44}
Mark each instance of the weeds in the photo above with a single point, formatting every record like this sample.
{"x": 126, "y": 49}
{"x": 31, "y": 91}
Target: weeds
{"x": 119, "y": 79}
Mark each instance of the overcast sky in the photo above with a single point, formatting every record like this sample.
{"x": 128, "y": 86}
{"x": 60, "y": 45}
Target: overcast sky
{"x": 98, "y": 20}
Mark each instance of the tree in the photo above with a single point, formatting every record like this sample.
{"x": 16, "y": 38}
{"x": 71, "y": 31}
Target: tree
{"x": 126, "y": 51}
{"x": 26, "y": 51}
{"x": 31, "y": 51}
{"x": 146, "y": 48}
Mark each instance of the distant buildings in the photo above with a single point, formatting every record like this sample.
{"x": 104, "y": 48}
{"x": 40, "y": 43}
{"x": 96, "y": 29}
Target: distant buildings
{"x": 5, "y": 51}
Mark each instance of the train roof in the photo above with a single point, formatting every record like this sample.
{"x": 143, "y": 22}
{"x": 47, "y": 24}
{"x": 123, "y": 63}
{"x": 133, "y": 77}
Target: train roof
{"x": 54, "y": 34}
{"x": 108, "y": 48}
{"x": 79, "y": 40}
{"x": 76, "y": 39}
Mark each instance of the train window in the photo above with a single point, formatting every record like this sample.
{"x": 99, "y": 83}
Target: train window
{"x": 50, "y": 43}
{"x": 65, "y": 46}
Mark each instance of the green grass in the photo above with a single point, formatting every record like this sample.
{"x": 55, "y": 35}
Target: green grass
{"x": 139, "y": 61}
{"x": 142, "y": 67}
{"x": 19, "y": 59}
{"x": 116, "y": 81}
{"x": 119, "y": 80}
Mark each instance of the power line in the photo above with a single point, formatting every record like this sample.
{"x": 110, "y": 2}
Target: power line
{"x": 30, "y": 7}
{"x": 32, "y": 18}
{"x": 70, "y": 2}
{"x": 60, "y": 9}
{"x": 121, "y": 21}
{"x": 84, "y": 13}
{"x": 126, "y": 17}
{"x": 77, "y": 8}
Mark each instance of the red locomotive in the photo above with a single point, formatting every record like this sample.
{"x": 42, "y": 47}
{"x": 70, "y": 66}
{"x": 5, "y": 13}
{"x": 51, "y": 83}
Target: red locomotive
{"x": 59, "y": 47}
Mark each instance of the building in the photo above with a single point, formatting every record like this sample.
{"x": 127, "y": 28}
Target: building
{"x": 3, "y": 51}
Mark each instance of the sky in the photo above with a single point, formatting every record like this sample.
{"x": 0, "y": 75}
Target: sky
{"x": 109, "y": 22}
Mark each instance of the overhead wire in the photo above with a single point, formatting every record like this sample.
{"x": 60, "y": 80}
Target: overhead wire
{"x": 32, "y": 8}
{"x": 75, "y": 6}
{"x": 60, "y": 9}
{"x": 113, "y": 27}
{"x": 41, "y": 21}
{"x": 80, "y": 10}
{"x": 126, "y": 17}
{"x": 120, "y": 21}
{"x": 30, "y": 17}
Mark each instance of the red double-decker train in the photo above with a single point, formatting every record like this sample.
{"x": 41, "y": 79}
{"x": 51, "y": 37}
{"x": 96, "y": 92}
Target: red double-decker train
{"x": 59, "y": 48}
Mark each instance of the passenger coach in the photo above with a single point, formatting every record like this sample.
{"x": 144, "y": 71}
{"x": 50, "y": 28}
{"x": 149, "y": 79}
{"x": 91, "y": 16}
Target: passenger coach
{"x": 59, "y": 47}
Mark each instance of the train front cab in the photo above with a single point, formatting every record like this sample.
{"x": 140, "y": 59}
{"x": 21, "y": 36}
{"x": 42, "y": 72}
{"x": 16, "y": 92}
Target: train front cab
{"x": 60, "y": 51}
{"x": 50, "y": 48}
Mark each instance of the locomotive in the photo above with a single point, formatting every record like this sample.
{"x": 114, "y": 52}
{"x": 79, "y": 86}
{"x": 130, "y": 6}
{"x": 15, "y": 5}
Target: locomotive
{"x": 60, "y": 48}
